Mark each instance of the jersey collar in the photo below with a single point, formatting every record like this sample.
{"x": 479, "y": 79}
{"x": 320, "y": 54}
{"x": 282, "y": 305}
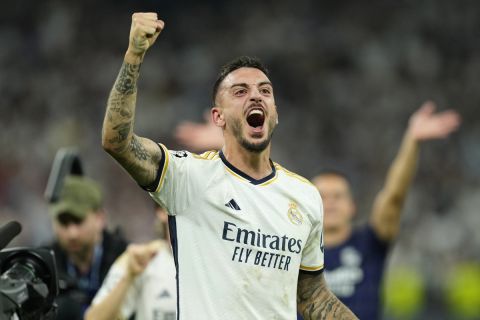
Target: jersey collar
{"x": 245, "y": 176}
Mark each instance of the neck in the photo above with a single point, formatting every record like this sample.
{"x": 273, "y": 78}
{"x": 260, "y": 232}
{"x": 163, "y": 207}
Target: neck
{"x": 83, "y": 260}
{"x": 336, "y": 236}
{"x": 255, "y": 164}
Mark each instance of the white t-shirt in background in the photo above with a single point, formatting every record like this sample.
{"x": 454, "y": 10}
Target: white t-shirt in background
{"x": 153, "y": 295}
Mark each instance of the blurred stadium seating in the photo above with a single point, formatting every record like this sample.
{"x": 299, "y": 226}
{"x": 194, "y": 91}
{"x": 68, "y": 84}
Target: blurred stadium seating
{"x": 347, "y": 75}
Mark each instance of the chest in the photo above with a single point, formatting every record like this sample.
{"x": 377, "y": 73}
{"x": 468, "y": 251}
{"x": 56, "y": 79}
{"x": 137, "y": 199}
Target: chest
{"x": 264, "y": 209}
{"x": 158, "y": 294}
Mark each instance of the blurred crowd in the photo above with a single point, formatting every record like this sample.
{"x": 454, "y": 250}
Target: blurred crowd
{"x": 346, "y": 74}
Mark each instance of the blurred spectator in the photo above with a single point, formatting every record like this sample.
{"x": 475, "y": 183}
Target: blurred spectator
{"x": 199, "y": 137}
{"x": 140, "y": 282}
{"x": 84, "y": 249}
{"x": 355, "y": 256}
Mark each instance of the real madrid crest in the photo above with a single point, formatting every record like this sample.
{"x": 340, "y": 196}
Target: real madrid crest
{"x": 294, "y": 215}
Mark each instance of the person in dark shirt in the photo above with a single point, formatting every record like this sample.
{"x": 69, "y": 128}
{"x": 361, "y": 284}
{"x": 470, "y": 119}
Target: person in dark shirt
{"x": 84, "y": 249}
{"x": 355, "y": 256}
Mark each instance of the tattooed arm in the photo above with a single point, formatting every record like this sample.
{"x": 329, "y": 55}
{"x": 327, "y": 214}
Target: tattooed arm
{"x": 139, "y": 156}
{"x": 316, "y": 302}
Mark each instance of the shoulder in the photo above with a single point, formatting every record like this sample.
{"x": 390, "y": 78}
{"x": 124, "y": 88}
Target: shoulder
{"x": 365, "y": 235}
{"x": 114, "y": 241}
{"x": 208, "y": 155}
{"x": 184, "y": 156}
{"x": 113, "y": 245}
{"x": 295, "y": 179}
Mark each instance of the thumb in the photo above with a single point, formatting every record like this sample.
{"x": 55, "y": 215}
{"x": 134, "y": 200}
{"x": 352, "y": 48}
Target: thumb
{"x": 428, "y": 108}
{"x": 153, "y": 248}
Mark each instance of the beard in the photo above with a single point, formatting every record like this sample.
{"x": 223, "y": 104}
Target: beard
{"x": 256, "y": 147}
{"x": 81, "y": 251}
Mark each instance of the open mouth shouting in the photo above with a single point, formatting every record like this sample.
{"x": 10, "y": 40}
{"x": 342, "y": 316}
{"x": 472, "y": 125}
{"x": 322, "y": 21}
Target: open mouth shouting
{"x": 256, "y": 120}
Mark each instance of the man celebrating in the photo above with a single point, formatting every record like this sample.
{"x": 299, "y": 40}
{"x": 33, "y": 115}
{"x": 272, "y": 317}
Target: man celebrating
{"x": 241, "y": 225}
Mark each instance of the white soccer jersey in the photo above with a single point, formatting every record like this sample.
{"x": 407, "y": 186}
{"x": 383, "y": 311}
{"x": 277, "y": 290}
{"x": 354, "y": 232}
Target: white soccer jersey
{"x": 152, "y": 295}
{"x": 238, "y": 242}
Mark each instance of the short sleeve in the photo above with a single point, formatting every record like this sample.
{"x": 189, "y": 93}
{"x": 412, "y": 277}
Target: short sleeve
{"x": 116, "y": 273}
{"x": 172, "y": 188}
{"x": 312, "y": 254}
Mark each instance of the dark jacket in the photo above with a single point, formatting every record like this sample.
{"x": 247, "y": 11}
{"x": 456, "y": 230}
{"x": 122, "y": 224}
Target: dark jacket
{"x": 72, "y": 300}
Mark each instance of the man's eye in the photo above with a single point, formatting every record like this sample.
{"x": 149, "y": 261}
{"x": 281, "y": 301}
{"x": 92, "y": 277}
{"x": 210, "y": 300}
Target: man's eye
{"x": 65, "y": 219}
{"x": 265, "y": 90}
{"x": 240, "y": 92}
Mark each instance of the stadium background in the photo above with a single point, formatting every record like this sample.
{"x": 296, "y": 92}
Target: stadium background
{"x": 347, "y": 76}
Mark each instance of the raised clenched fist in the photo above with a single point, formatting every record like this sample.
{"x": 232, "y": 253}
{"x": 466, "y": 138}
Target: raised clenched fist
{"x": 139, "y": 255}
{"x": 144, "y": 31}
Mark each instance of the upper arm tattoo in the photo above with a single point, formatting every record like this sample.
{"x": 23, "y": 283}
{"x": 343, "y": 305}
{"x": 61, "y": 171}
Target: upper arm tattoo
{"x": 141, "y": 160}
{"x": 316, "y": 302}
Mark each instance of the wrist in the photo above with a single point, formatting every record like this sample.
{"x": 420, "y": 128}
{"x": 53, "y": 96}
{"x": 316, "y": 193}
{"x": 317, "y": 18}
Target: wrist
{"x": 129, "y": 276}
{"x": 129, "y": 279}
{"x": 133, "y": 57}
{"x": 412, "y": 136}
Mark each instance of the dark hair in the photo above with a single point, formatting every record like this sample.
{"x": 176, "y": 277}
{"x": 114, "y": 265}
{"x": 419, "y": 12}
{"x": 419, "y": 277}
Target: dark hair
{"x": 333, "y": 172}
{"x": 240, "y": 62}
{"x": 337, "y": 173}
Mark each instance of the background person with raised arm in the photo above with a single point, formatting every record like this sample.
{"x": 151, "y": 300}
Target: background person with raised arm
{"x": 246, "y": 233}
{"x": 356, "y": 255}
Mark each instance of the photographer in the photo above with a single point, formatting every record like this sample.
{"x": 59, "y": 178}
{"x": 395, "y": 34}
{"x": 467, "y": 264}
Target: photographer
{"x": 84, "y": 249}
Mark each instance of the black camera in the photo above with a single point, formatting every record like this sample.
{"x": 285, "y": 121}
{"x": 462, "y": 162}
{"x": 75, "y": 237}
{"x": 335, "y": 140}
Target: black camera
{"x": 28, "y": 280}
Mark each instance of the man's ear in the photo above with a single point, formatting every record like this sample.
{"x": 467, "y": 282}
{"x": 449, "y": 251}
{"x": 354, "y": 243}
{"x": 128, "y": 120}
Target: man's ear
{"x": 218, "y": 118}
{"x": 354, "y": 208}
{"x": 101, "y": 217}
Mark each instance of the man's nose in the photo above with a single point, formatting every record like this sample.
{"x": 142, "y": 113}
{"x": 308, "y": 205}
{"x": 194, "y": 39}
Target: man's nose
{"x": 72, "y": 230}
{"x": 255, "y": 95}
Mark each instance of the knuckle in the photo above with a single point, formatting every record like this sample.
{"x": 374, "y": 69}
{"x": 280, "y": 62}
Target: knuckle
{"x": 133, "y": 248}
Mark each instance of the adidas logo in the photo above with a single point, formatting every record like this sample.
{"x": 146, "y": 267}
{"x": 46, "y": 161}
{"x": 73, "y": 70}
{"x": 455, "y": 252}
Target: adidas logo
{"x": 232, "y": 205}
{"x": 164, "y": 294}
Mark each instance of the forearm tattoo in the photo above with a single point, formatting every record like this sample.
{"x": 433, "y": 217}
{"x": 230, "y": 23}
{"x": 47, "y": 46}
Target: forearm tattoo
{"x": 316, "y": 302}
{"x": 134, "y": 153}
{"x": 127, "y": 78}
{"x": 118, "y": 125}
